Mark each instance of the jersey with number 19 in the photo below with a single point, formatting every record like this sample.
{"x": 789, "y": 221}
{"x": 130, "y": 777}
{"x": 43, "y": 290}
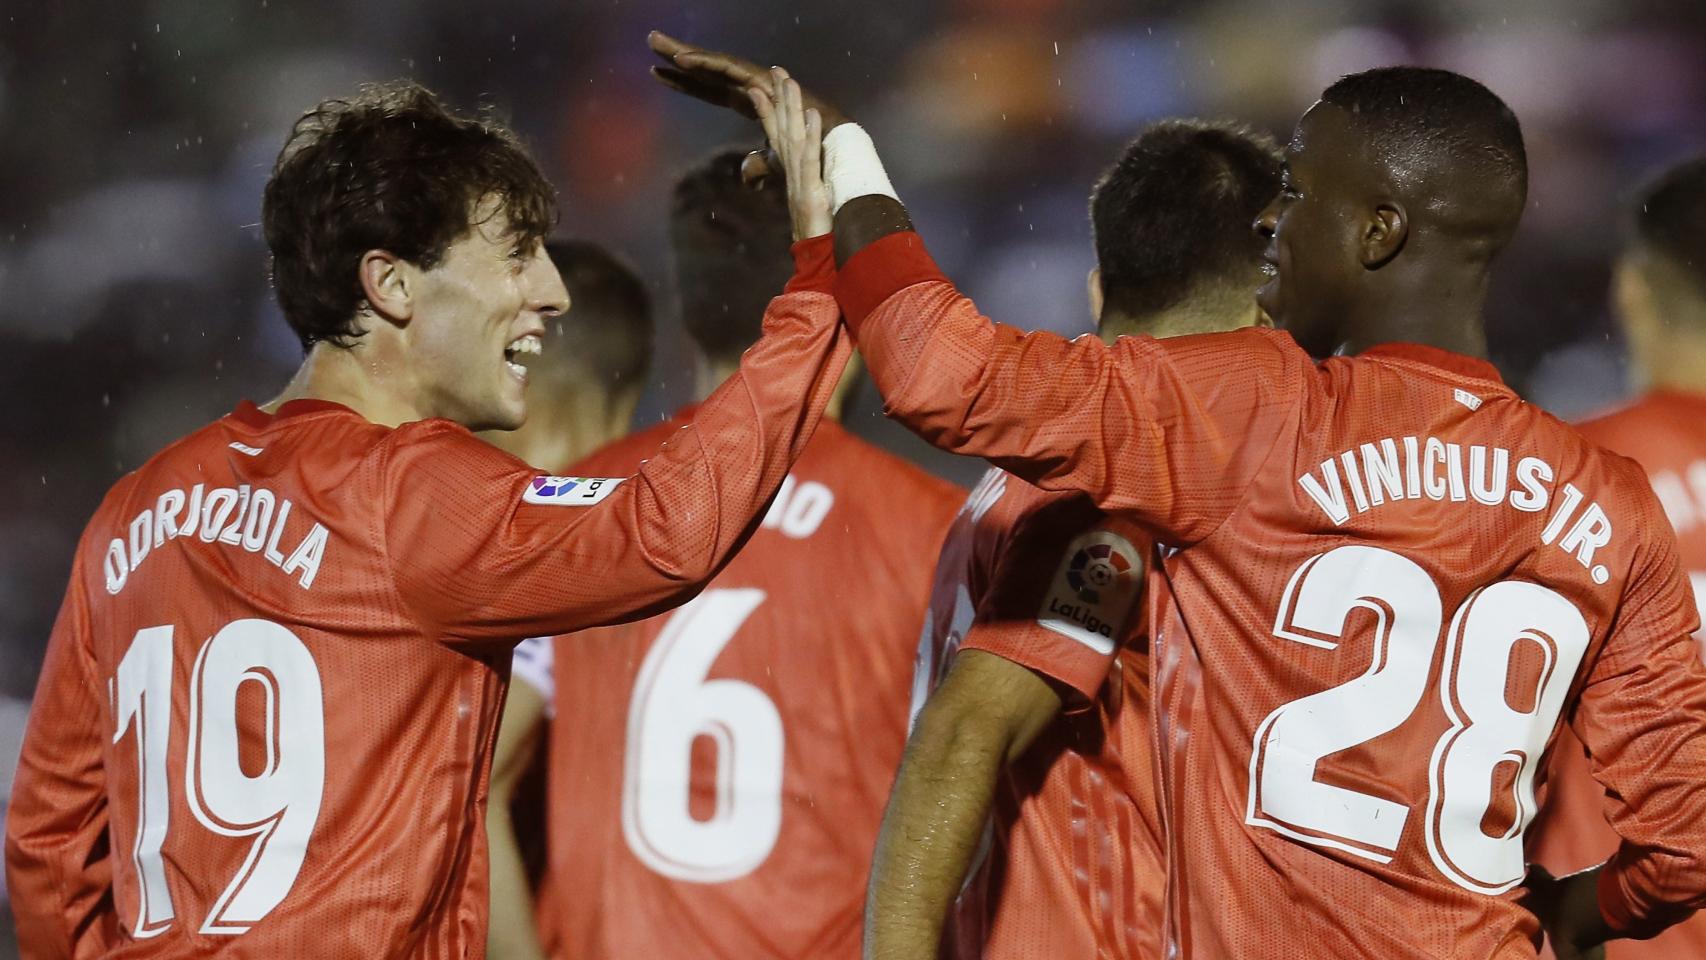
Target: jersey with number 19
{"x": 264, "y": 725}
{"x": 717, "y": 774}
{"x": 1390, "y": 579}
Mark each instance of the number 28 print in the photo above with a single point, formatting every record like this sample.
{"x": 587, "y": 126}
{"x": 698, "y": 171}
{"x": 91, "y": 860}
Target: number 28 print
{"x": 1487, "y": 731}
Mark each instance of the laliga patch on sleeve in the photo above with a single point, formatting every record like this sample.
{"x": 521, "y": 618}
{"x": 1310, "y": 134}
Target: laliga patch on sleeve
{"x": 569, "y": 491}
{"x": 1093, "y": 590}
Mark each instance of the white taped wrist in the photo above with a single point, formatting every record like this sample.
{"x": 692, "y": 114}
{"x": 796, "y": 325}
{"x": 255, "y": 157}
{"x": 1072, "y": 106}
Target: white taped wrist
{"x": 851, "y": 167}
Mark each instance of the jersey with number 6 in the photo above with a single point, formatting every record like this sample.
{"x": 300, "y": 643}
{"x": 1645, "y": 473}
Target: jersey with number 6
{"x": 264, "y": 724}
{"x": 1391, "y": 579}
{"x": 1073, "y": 864}
{"x": 717, "y": 773}
{"x": 1665, "y": 431}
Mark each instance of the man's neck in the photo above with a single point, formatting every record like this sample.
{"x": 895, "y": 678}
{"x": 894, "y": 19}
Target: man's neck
{"x": 361, "y": 377}
{"x": 1436, "y": 308}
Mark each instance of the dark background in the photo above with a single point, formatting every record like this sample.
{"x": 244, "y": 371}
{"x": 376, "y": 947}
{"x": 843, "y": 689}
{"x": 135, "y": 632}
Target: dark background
{"x": 135, "y": 136}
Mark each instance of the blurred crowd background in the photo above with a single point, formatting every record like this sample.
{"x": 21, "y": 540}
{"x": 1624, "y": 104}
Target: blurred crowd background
{"x": 135, "y": 136}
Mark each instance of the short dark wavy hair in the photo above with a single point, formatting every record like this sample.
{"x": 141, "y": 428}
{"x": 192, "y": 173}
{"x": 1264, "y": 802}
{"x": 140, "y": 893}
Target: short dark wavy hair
{"x": 390, "y": 168}
{"x": 1176, "y": 211}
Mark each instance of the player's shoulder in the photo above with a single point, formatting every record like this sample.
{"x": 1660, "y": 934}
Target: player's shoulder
{"x": 622, "y": 457}
{"x": 1646, "y": 419}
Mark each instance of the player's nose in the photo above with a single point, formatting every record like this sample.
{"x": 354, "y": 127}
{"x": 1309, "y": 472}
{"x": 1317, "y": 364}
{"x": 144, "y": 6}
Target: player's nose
{"x": 546, "y": 293}
{"x": 1267, "y": 221}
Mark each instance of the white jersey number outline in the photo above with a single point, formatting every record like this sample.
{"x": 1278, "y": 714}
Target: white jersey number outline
{"x": 1486, "y": 731}
{"x": 278, "y": 806}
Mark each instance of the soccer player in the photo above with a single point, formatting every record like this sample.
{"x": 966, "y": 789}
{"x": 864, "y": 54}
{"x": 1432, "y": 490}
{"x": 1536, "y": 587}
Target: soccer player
{"x": 1050, "y": 584}
{"x": 582, "y": 390}
{"x": 1389, "y": 576}
{"x": 264, "y": 723}
{"x": 1660, "y": 298}
{"x": 717, "y": 773}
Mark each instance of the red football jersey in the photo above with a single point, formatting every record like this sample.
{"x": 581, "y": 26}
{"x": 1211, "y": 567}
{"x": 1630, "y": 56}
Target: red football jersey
{"x": 1663, "y": 432}
{"x": 1391, "y": 577}
{"x": 264, "y": 724}
{"x": 1072, "y": 865}
{"x": 718, "y": 773}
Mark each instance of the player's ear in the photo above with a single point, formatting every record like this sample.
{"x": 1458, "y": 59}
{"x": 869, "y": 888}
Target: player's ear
{"x": 1095, "y": 289}
{"x": 1384, "y": 233}
{"x": 386, "y": 284}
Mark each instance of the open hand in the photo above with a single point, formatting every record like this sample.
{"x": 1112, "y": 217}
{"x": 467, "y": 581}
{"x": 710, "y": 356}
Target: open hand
{"x": 723, "y": 79}
{"x": 795, "y": 133}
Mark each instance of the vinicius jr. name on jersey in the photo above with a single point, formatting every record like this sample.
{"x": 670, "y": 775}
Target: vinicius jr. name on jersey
{"x": 1411, "y": 468}
{"x": 252, "y": 518}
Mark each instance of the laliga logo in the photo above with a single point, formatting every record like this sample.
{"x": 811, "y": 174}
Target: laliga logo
{"x": 549, "y": 487}
{"x": 1094, "y": 569}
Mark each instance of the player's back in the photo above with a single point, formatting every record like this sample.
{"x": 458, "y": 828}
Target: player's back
{"x": 1665, "y": 431}
{"x": 718, "y": 773}
{"x": 1371, "y": 651}
{"x": 291, "y": 765}
{"x": 1072, "y": 864}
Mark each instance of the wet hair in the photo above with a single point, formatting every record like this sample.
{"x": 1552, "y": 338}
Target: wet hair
{"x": 390, "y": 168}
{"x": 1426, "y": 126}
{"x": 606, "y": 335}
{"x": 1176, "y": 210}
{"x": 731, "y": 253}
{"x": 1668, "y": 220}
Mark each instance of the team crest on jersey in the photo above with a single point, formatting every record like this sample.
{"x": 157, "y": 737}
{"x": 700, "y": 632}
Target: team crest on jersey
{"x": 569, "y": 491}
{"x": 1093, "y": 590}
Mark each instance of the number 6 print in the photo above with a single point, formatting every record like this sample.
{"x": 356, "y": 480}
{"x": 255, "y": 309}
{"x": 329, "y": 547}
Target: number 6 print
{"x": 1487, "y": 730}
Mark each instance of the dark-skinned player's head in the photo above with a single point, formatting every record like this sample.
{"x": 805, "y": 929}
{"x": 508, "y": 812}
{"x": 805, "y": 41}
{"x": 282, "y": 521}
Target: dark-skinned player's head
{"x": 1660, "y": 282}
{"x": 730, "y": 244}
{"x": 1174, "y": 250}
{"x": 1400, "y": 172}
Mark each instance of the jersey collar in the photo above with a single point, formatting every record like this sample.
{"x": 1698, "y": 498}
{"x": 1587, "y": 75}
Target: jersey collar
{"x": 254, "y": 416}
{"x": 1435, "y": 357}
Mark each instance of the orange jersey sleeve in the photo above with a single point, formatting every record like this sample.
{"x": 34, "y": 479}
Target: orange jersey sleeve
{"x": 58, "y": 871}
{"x": 1192, "y": 418}
{"x": 484, "y": 548}
{"x": 1641, "y": 716}
{"x": 1064, "y": 586}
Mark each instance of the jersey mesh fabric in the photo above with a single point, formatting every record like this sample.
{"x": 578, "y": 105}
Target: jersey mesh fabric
{"x": 1663, "y": 432}
{"x": 836, "y": 581}
{"x": 1205, "y": 442}
{"x": 1073, "y": 862}
{"x": 434, "y": 562}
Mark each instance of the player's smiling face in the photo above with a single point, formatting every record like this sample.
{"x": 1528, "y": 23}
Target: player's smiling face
{"x": 479, "y": 317}
{"x": 1311, "y": 260}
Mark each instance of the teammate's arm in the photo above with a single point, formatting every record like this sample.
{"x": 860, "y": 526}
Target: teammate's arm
{"x": 58, "y": 865}
{"x": 477, "y": 557}
{"x": 512, "y": 934}
{"x": 1191, "y": 421}
{"x": 987, "y": 711}
{"x": 1642, "y": 717}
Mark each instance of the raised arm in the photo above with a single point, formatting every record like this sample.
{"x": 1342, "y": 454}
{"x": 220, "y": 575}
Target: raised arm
{"x": 485, "y": 548}
{"x": 58, "y": 865}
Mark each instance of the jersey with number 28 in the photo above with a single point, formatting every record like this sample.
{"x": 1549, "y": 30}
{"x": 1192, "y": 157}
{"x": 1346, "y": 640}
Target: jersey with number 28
{"x": 1391, "y": 579}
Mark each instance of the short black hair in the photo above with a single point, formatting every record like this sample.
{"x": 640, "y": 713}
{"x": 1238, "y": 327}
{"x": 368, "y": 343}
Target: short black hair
{"x": 1423, "y": 123}
{"x": 731, "y": 253}
{"x": 1669, "y": 220}
{"x": 1178, "y": 210}
{"x": 607, "y": 332}
{"x": 390, "y": 168}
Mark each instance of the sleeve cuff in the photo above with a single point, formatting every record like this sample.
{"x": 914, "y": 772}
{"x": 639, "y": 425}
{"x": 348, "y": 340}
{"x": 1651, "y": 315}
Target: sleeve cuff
{"x": 880, "y": 270}
{"x": 1036, "y": 649}
{"x": 814, "y": 264}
